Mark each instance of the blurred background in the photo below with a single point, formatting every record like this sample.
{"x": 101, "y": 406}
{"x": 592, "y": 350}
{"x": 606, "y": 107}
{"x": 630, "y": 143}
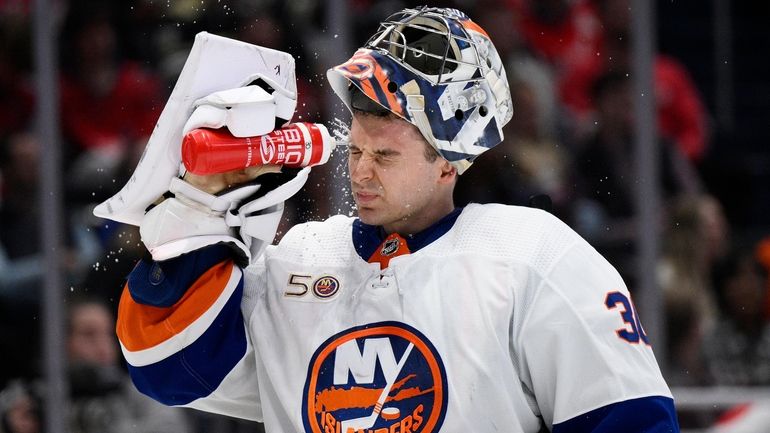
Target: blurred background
{"x": 571, "y": 66}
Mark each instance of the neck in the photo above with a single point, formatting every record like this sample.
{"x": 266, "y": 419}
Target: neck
{"x": 419, "y": 221}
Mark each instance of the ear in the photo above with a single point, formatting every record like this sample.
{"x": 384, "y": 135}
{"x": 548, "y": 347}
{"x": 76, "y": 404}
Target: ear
{"x": 448, "y": 172}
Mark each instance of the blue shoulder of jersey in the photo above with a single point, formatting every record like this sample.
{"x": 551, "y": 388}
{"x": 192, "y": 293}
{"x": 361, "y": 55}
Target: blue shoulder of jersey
{"x": 162, "y": 284}
{"x": 649, "y": 415}
{"x": 158, "y": 292}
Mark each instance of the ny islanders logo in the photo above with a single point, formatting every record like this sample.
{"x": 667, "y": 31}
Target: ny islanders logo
{"x": 379, "y": 378}
{"x": 326, "y": 287}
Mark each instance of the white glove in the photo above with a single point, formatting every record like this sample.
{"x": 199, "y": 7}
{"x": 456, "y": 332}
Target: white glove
{"x": 214, "y": 63}
{"x": 258, "y": 219}
{"x": 248, "y": 111}
{"x": 193, "y": 219}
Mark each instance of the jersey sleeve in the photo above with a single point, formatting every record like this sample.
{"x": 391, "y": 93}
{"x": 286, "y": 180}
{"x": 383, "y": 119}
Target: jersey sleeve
{"x": 182, "y": 332}
{"x": 580, "y": 346}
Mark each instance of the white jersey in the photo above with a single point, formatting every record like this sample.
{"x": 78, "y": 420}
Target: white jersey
{"x": 507, "y": 320}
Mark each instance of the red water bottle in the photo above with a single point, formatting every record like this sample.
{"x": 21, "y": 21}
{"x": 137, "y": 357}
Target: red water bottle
{"x": 209, "y": 151}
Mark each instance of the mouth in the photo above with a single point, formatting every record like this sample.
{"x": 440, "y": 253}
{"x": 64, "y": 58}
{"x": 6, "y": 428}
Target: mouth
{"x": 364, "y": 197}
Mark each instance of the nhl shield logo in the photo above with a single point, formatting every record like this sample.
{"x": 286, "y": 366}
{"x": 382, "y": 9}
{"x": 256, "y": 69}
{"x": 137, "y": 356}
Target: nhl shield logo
{"x": 390, "y": 246}
{"x": 378, "y": 378}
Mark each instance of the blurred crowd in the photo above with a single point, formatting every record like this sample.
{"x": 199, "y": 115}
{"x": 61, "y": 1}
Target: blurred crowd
{"x": 571, "y": 138}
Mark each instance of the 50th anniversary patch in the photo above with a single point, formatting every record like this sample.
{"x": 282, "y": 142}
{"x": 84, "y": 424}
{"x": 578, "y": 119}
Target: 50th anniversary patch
{"x": 383, "y": 377}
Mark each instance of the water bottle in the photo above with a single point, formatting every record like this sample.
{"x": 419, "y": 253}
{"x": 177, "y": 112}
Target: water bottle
{"x": 209, "y": 151}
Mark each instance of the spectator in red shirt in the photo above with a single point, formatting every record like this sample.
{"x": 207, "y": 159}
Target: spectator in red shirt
{"x": 106, "y": 101}
{"x": 565, "y": 33}
{"x": 109, "y": 106}
{"x": 682, "y": 117}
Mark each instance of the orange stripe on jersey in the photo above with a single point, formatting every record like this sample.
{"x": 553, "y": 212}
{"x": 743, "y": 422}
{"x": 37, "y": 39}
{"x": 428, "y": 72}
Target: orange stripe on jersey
{"x": 141, "y": 327}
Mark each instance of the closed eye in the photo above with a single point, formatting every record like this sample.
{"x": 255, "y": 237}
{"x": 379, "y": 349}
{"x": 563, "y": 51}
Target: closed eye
{"x": 380, "y": 155}
{"x": 353, "y": 150}
{"x": 386, "y": 153}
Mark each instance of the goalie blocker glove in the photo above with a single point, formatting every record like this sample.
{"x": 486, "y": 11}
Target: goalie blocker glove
{"x": 246, "y": 218}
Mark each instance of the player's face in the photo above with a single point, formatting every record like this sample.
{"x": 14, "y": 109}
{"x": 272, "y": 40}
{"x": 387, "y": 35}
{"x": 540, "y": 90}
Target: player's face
{"x": 393, "y": 183}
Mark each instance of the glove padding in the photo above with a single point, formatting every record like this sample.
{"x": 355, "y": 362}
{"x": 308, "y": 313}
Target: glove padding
{"x": 245, "y": 217}
{"x": 249, "y": 111}
{"x": 259, "y": 215}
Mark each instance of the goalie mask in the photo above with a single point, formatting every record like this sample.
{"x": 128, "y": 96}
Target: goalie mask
{"x": 438, "y": 70}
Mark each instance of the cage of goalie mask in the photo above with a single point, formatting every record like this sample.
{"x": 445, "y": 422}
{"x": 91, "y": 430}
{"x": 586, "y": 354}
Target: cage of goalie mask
{"x": 438, "y": 70}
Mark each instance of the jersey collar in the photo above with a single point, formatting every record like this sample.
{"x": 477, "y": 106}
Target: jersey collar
{"x": 374, "y": 245}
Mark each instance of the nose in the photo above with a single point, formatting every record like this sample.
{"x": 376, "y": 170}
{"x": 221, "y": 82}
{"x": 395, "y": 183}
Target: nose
{"x": 361, "y": 169}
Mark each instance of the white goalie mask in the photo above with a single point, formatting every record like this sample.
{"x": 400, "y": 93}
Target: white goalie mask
{"x": 438, "y": 70}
